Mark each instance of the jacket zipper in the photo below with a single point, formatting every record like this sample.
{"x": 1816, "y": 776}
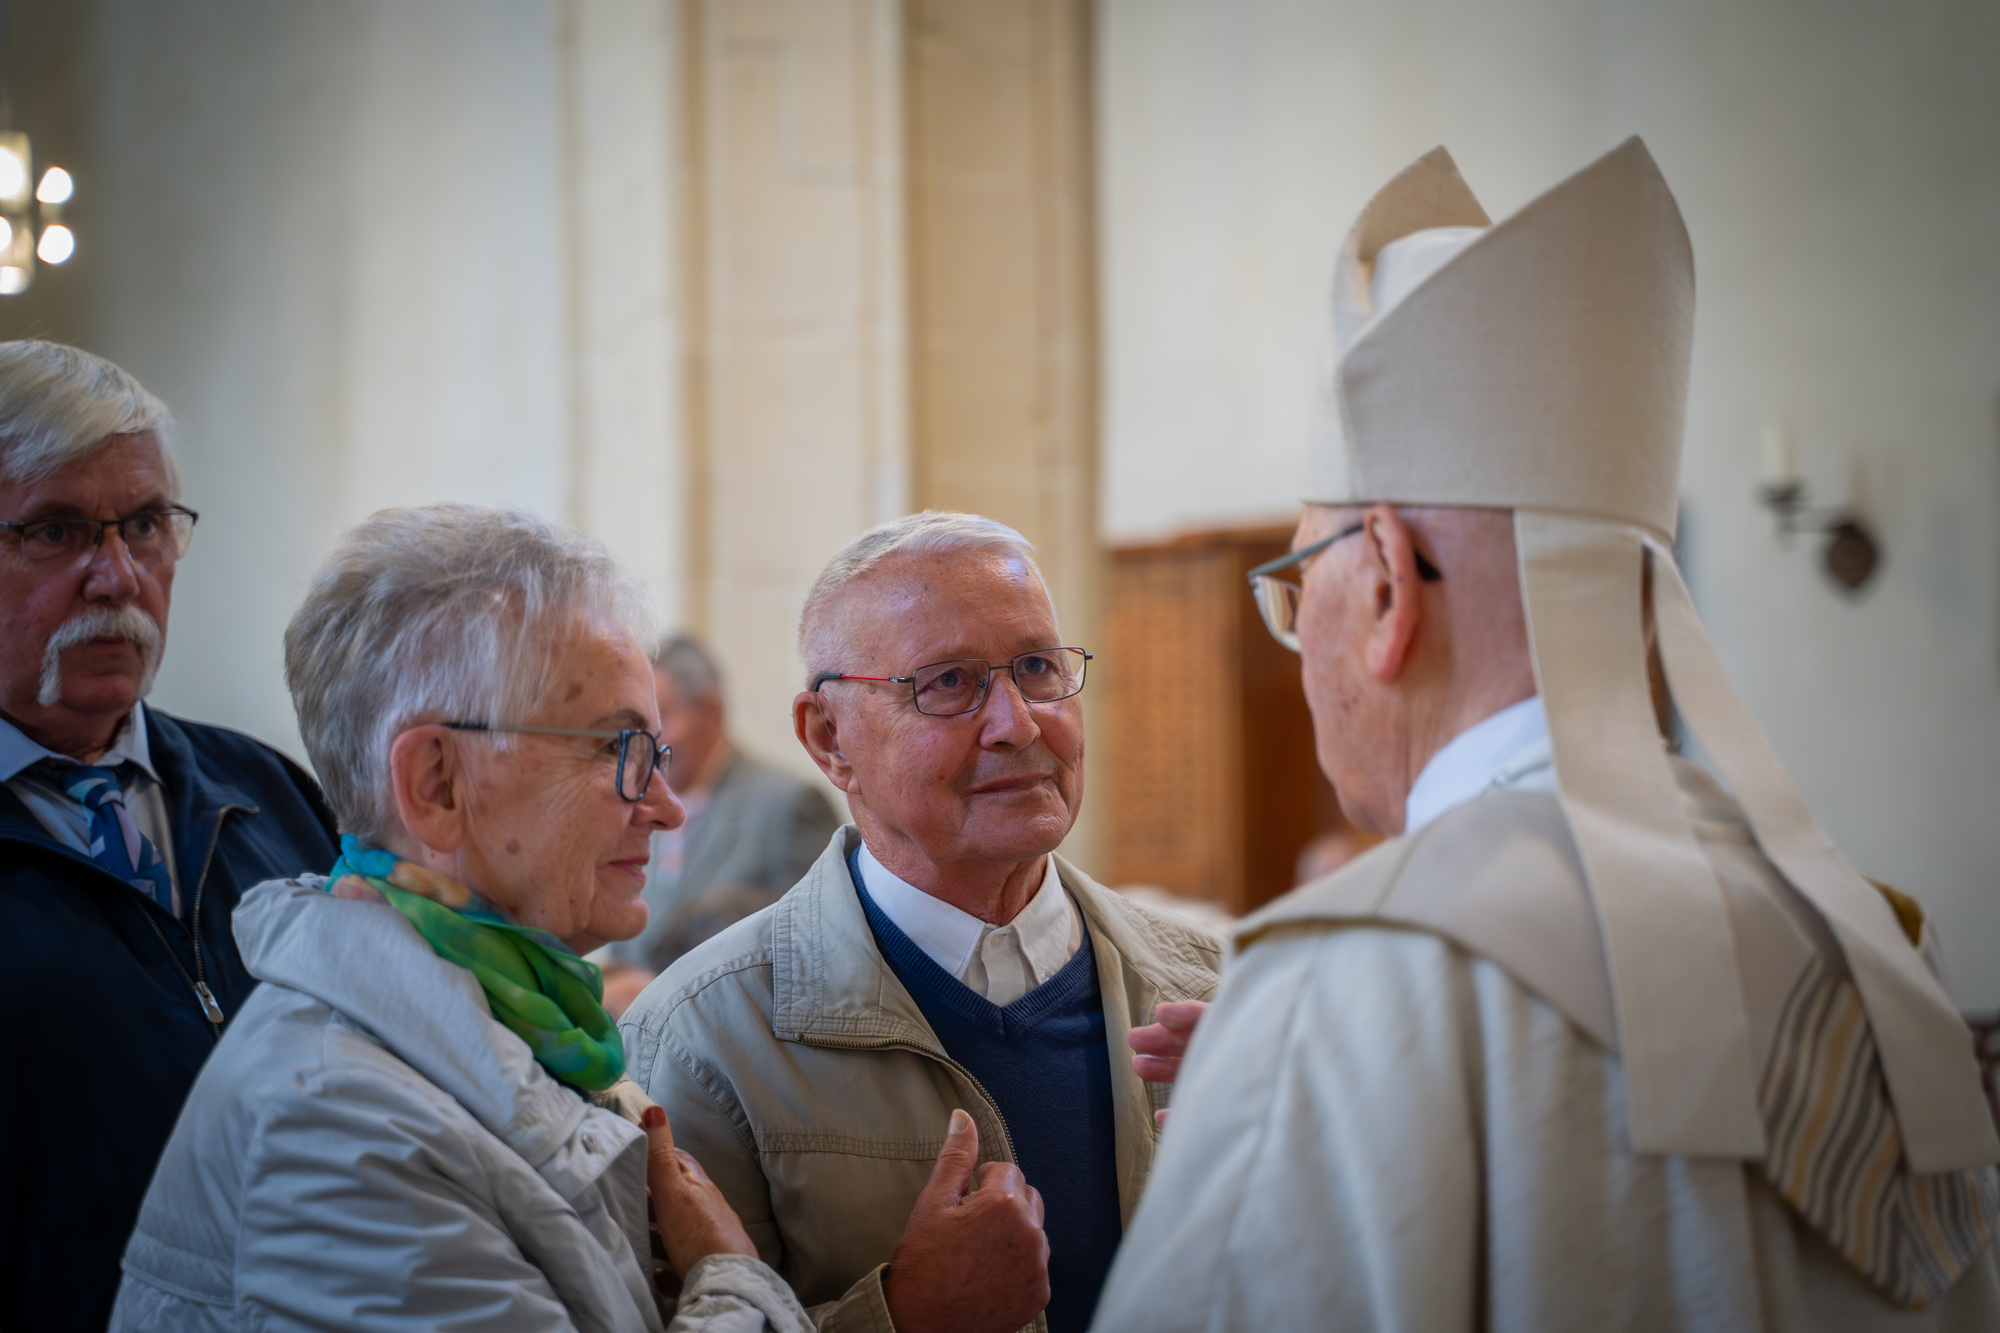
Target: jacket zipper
{"x": 1006, "y": 1135}
{"x": 198, "y": 983}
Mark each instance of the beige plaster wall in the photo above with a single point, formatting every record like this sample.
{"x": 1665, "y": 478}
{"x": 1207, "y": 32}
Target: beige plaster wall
{"x": 374, "y": 254}
{"x": 796, "y": 323}
{"x": 1839, "y": 167}
{"x": 625, "y": 174}
{"x": 332, "y": 238}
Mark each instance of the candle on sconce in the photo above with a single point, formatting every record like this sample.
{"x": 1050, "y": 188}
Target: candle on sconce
{"x": 1852, "y": 552}
{"x": 1781, "y": 457}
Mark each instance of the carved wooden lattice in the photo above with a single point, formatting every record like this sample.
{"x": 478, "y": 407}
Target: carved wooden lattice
{"x": 1215, "y": 785}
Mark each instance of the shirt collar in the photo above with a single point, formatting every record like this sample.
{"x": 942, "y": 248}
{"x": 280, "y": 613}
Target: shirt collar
{"x": 949, "y": 934}
{"x": 1508, "y": 749}
{"x": 18, "y": 753}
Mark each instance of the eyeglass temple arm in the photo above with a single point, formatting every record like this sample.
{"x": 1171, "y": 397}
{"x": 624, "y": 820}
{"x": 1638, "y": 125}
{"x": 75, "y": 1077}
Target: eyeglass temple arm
{"x": 537, "y": 731}
{"x": 1426, "y": 571}
{"x": 1304, "y": 553}
{"x": 825, "y": 676}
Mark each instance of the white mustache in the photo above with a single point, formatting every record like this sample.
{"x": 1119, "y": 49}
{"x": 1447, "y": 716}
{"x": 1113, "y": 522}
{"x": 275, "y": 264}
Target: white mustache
{"x": 99, "y": 622}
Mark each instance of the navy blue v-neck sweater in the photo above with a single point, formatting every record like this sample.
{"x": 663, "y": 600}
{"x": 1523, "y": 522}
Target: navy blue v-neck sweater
{"x": 1043, "y": 1061}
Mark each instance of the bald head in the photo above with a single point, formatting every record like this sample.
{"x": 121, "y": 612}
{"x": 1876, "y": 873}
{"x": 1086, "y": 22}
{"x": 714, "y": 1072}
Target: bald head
{"x": 866, "y": 626}
{"x": 825, "y": 632}
{"x": 1396, "y": 665}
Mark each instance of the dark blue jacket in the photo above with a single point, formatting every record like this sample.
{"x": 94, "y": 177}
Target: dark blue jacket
{"x": 104, "y": 1030}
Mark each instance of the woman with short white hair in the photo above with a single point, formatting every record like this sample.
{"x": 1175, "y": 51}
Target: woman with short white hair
{"x": 421, "y": 1119}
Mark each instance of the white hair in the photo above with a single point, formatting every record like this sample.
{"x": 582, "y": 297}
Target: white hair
{"x": 444, "y": 613}
{"x": 933, "y": 532}
{"x": 59, "y": 404}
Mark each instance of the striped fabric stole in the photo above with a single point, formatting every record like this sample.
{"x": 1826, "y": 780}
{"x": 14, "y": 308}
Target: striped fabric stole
{"x": 1836, "y": 1154}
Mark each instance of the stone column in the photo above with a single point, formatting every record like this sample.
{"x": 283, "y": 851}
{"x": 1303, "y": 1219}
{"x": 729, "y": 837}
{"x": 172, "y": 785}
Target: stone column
{"x": 1002, "y": 312}
{"x": 796, "y": 372}
{"x": 625, "y": 178}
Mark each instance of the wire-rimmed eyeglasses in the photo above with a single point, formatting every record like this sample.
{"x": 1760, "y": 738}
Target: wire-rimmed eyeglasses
{"x": 949, "y": 689}
{"x": 636, "y": 762}
{"x": 152, "y": 536}
{"x": 1278, "y": 599}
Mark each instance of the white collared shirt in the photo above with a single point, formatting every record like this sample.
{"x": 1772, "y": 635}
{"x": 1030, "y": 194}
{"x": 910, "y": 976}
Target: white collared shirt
{"x": 1003, "y": 963}
{"x": 66, "y": 820}
{"x": 1508, "y": 749}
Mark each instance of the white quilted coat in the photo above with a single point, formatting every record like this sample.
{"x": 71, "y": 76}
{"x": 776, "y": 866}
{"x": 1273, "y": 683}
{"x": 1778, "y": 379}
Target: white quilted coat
{"x": 368, "y": 1147}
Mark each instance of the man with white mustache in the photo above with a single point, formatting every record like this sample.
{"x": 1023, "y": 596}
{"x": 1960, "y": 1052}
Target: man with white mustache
{"x": 914, "y": 1066}
{"x": 125, "y": 835}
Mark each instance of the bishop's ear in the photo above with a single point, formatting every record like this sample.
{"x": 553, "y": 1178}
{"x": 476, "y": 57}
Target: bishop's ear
{"x": 1395, "y": 592}
{"x": 819, "y": 731}
{"x": 429, "y": 786}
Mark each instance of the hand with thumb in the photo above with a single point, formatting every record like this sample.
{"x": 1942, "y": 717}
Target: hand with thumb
{"x": 958, "y": 1161}
{"x": 973, "y": 1258}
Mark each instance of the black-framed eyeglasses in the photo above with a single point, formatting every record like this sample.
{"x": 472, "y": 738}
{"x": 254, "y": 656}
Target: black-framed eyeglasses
{"x": 636, "y": 762}
{"x": 949, "y": 689}
{"x": 152, "y": 536}
{"x": 1278, "y": 599}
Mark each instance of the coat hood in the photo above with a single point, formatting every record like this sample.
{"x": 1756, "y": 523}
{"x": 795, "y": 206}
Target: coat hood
{"x": 368, "y": 964}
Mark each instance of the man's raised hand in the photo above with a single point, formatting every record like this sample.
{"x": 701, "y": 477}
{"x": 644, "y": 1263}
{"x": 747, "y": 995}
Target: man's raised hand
{"x": 1158, "y": 1047}
{"x": 973, "y": 1258}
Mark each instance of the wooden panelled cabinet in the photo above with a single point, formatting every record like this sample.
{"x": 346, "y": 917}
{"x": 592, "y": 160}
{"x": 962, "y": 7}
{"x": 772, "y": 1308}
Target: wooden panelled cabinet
{"x": 1215, "y": 788}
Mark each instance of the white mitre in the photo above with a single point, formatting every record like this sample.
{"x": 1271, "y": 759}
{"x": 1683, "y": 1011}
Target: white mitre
{"x": 1541, "y": 364}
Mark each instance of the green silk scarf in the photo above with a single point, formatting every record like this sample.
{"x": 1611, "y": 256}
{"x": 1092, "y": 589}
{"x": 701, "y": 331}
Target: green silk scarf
{"x": 534, "y": 983}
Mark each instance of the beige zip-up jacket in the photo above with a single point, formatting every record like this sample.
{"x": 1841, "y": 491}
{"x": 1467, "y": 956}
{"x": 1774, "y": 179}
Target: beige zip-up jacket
{"x": 798, "y": 1071}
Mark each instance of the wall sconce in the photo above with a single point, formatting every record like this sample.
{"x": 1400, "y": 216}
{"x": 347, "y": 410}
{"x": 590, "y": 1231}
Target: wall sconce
{"x": 1852, "y": 552}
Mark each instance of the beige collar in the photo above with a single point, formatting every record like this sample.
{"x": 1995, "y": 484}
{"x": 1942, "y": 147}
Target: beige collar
{"x": 830, "y": 983}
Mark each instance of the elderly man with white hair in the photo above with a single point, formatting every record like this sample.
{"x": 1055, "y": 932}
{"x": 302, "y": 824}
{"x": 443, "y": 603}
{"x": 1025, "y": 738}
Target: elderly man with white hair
{"x": 421, "y": 1121}
{"x": 1598, "y": 1039}
{"x": 126, "y": 836}
{"x": 913, "y": 1067}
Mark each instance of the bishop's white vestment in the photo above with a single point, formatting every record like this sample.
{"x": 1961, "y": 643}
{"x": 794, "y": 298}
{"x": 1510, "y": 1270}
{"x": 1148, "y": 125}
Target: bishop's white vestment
{"x": 1599, "y": 1044}
{"x": 1406, "y": 1111}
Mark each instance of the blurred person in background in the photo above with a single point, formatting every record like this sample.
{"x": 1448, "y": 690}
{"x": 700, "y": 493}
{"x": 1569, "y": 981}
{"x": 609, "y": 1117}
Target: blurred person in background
{"x": 421, "y": 1119}
{"x": 752, "y": 829}
{"x": 1594, "y": 1040}
{"x": 933, "y": 1021}
{"x": 126, "y": 836}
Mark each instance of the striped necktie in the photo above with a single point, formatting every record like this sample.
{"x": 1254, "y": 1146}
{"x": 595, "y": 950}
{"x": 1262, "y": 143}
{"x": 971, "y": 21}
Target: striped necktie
{"x": 115, "y": 840}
